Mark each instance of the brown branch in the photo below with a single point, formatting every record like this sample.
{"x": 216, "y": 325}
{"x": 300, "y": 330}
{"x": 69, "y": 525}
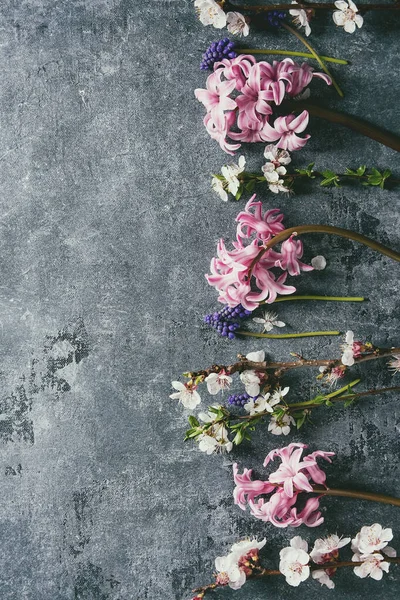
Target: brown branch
{"x": 313, "y": 567}
{"x": 247, "y": 365}
{"x": 309, "y": 6}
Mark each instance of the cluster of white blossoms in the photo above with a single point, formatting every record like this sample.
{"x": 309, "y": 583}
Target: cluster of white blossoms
{"x": 367, "y": 546}
{"x": 231, "y": 568}
{"x": 215, "y": 439}
{"x": 274, "y": 170}
{"x": 211, "y": 13}
{"x": 230, "y": 183}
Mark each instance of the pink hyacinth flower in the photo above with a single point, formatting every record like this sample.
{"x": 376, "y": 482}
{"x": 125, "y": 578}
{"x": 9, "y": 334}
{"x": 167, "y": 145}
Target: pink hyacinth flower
{"x": 291, "y": 251}
{"x": 236, "y": 69}
{"x": 302, "y": 76}
{"x": 314, "y": 471}
{"x": 285, "y": 129}
{"x": 216, "y": 97}
{"x": 246, "y": 489}
{"x": 290, "y": 474}
{"x": 310, "y": 515}
{"x": 254, "y": 223}
{"x": 254, "y": 101}
{"x": 275, "y": 78}
{"x": 250, "y": 129}
{"x": 219, "y": 131}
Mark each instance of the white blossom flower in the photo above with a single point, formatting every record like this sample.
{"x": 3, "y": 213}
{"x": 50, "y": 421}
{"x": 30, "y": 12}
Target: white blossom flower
{"x": 237, "y": 24}
{"x": 272, "y": 173}
{"x": 278, "y": 187}
{"x": 229, "y": 572}
{"x": 323, "y": 578}
{"x": 243, "y": 547}
{"x": 210, "y": 13}
{"x": 394, "y": 364}
{"x": 318, "y": 262}
{"x": 269, "y": 321}
{"x": 217, "y": 382}
{"x": 278, "y": 395}
{"x": 187, "y": 395}
{"x": 347, "y": 16}
{"x": 215, "y": 439}
{"x": 277, "y": 156}
{"x": 218, "y": 187}
{"x": 281, "y": 426}
{"x": 373, "y": 566}
{"x": 259, "y": 405}
{"x": 230, "y": 172}
{"x": 257, "y": 356}
{"x": 371, "y": 539}
{"x": 347, "y": 356}
{"x": 301, "y": 19}
{"x": 294, "y": 561}
{"x": 251, "y": 382}
{"x": 327, "y": 548}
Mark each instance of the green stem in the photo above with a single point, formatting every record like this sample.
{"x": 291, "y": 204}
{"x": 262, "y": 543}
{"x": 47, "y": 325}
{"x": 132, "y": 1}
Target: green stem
{"x": 339, "y": 61}
{"x": 282, "y": 336}
{"x": 327, "y": 298}
{"x": 316, "y": 56}
{"x": 329, "y": 229}
{"x": 309, "y": 403}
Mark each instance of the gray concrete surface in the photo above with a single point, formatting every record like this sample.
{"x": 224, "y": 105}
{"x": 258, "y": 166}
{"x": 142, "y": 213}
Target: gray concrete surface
{"x": 107, "y": 226}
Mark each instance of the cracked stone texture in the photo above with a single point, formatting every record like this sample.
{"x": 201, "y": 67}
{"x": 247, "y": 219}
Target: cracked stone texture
{"x": 107, "y": 227}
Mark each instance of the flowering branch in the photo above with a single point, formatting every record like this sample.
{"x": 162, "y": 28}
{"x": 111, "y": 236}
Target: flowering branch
{"x": 371, "y": 558}
{"x": 273, "y": 170}
{"x": 265, "y": 394}
{"x": 245, "y": 365}
{"x": 310, "y": 5}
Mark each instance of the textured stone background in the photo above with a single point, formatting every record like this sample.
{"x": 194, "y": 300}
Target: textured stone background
{"x": 107, "y": 226}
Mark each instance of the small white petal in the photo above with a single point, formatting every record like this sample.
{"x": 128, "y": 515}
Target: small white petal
{"x": 318, "y": 262}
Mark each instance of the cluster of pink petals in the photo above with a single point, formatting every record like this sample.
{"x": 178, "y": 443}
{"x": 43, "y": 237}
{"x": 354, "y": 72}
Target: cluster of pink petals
{"x": 295, "y": 475}
{"x": 230, "y": 268}
{"x": 241, "y": 93}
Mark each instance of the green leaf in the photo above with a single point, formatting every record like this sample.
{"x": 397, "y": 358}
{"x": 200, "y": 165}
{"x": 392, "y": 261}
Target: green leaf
{"x": 193, "y": 421}
{"x": 300, "y": 420}
{"x": 349, "y": 402}
{"x": 318, "y": 400}
{"x": 250, "y": 186}
{"x": 239, "y": 192}
{"x": 308, "y": 172}
{"x": 328, "y": 402}
{"x": 217, "y": 176}
{"x": 191, "y": 433}
{"x": 330, "y": 178}
{"x": 359, "y": 173}
{"x": 239, "y": 437}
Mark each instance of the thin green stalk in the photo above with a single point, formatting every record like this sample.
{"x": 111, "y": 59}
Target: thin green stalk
{"x": 282, "y": 336}
{"x": 316, "y": 56}
{"x": 327, "y": 298}
{"x": 308, "y": 403}
{"x": 339, "y": 61}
